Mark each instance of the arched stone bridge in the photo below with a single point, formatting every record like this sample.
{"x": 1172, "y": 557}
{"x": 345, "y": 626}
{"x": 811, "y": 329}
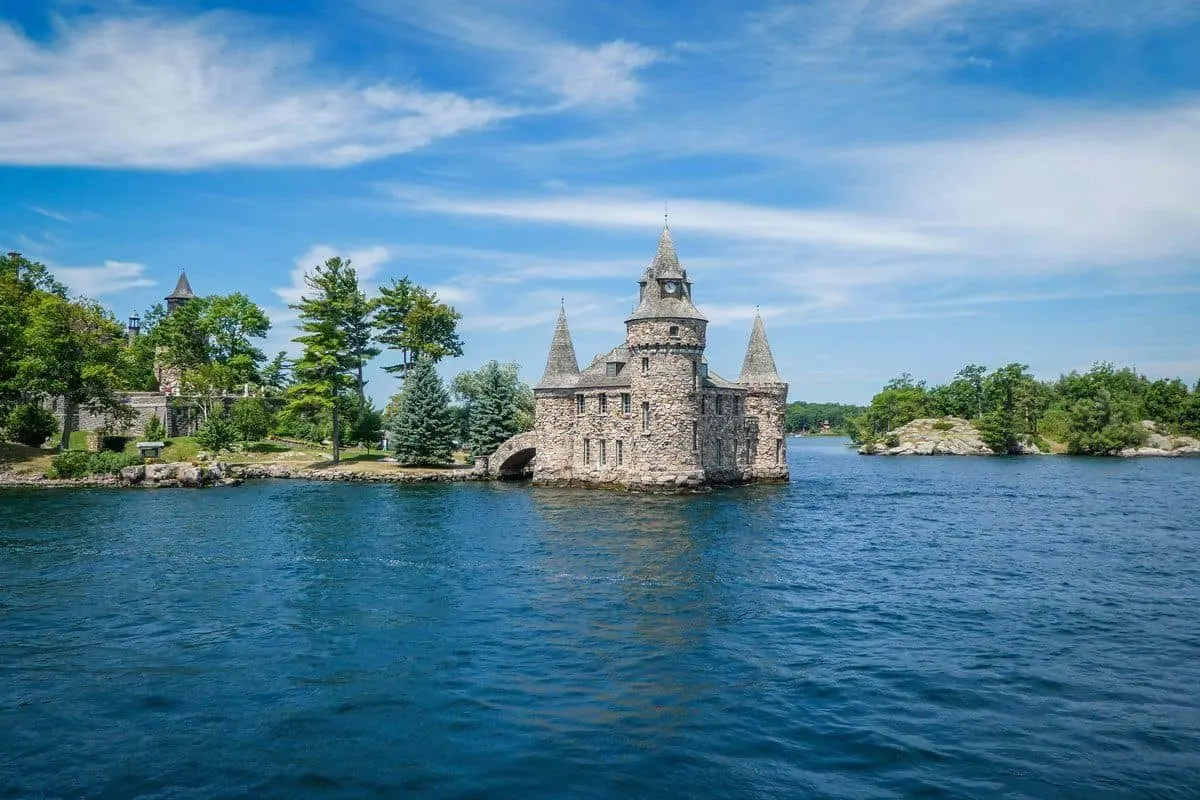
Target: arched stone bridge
{"x": 514, "y": 458}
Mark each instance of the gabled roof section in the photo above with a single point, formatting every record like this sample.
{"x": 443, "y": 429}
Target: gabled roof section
{"x": 183, "y": 289}
{"x": 759, "y": 366}
{"x": 596, "y": 374}
{"x": 562, "y": 368}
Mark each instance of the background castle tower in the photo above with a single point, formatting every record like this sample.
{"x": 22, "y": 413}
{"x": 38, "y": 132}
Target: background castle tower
{"x": 170, "y": 379}
{"x": 554, "y": 408}
{"x": 666, "y": 337}
{"x": 766, "y": 406}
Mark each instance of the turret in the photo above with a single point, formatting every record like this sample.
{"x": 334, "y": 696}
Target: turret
{"x": 554, "y": 408}
{"x": 182, "y": 294}
{"x": 766, "y": 405}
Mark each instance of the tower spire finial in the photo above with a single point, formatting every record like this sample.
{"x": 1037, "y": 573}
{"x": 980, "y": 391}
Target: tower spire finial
{"x": 666, "y": 213}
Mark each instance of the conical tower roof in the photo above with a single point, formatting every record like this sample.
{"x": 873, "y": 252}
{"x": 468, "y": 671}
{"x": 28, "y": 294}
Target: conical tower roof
{"x": 562, "y": 368}
{"x": 183, "y": 289}
{"x": 664, "y": 267}
{"x": 759, "y": 366}
{"x": 665, "y": 263}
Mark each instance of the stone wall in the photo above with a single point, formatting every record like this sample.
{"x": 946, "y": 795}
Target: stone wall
{"x": 767, "y": 407}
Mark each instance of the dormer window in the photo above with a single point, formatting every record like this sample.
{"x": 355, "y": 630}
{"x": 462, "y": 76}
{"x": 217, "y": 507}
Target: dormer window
{"x": 673, "y": 331}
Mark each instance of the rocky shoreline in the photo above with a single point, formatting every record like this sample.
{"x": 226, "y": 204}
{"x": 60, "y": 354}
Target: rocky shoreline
{"x": 198, "y": 476}
{"x": 952, "y": 436}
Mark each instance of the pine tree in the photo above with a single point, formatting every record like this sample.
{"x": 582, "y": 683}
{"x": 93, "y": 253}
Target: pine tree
{"x": 326, "y": 369}
{"x": 493, "y": 412}
{"x": 423, "y": 427}
{"x": 411, "y": 320}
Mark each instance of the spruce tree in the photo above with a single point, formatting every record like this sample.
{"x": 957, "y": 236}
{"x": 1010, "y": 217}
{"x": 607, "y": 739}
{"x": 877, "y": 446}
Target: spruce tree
{"x": 493, "y": 414}
{"x": 423, "y": 427}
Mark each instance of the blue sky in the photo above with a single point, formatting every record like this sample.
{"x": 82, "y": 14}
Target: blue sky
{"x": 900, "y": 185}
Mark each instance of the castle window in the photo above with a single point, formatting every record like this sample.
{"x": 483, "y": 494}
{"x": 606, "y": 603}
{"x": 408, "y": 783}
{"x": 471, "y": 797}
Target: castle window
{"x": 587, "y": 451}
{"x": 778, "y": 450}
{"x": 695, "y": 436}
{"x": 603, "y": 452}
{"x": 695, "y": 375}
{"x": 646, "y": 416}
{"x": 718, "y": 404}
{"x": 703, "y": 405}
{"x": 673, "y": 330}
{"x": 612, "y": 369}
{"x": 737, "y": 453}
{"x": 719, "y": 453}
{"x": 602, "y": 403}
{"x": 620, "y": 452}
{"x": 626, "y": 403}
{"x": 579, "y": 408}
{"x": 645, "y": 365}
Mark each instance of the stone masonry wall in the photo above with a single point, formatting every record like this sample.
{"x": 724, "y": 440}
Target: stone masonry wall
{"x": 768, "y": 406}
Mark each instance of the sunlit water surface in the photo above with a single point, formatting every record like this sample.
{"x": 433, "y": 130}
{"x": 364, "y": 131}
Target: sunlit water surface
{"x": 880, "y": 628}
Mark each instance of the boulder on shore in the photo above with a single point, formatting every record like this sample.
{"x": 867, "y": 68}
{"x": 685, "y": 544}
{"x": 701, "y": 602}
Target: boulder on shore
{"x": 184, "y": 474}
{"x": 950, "y": 436}
{"x": 1162, "y": 445}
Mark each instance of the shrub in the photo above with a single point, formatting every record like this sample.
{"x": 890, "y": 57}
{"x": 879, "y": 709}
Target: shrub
{"x": 251, "y": 419}
{"x": 114, "y": 444}
{"x": 70, "y": 464}
{"x": 943, "y": 425}
{"x": 154, "y": 430}
{"x": 891, "y": 440}
{"x": 999, "y": 432}
{"x": 79, "y": 463}
{"x": 30, "y": 425}
{"x": 216, "y": 434}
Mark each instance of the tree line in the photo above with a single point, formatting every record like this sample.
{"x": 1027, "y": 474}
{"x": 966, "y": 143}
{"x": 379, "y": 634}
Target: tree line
{"x": 1097, "y": 412}
{"x": 803, "y": 417}
{"x": 55, "y": 346}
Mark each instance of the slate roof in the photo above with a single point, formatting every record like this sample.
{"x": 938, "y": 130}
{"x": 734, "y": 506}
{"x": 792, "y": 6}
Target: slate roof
{"x": 562, "y": 369}
{"x": 759, "y": 365}
{"x": 665, "y": 266}
{"x": 183, "y": 289}
{"x": 595, "y": 375}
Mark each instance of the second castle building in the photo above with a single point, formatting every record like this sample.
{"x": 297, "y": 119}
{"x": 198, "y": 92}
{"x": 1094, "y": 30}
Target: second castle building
{"x": 650, "y": 414}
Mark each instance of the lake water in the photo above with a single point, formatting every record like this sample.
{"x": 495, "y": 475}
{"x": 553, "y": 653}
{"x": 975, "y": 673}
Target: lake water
{"x": 930, "y": 627}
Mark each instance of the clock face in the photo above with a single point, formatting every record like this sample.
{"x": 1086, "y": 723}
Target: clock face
{"x": 671, "y": 286}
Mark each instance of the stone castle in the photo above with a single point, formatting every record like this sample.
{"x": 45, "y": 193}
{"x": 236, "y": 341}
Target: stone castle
{"x": 650, "y": 414}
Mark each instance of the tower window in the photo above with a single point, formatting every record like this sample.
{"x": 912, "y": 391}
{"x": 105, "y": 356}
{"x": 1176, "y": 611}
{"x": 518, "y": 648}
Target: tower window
{"x": 620, "y": 452}
{"x": 719, "y": 404}
{"x": 646, "y": 416}
{"x": 645, "y": 365}
{"x": 587, "y": 451}
{"x": 695, "y": 375}
{"x": 602, "y": 403}
{"x": 603, "y": 452}
{"x": 703, "y": 405}
{"x": 673, "y": 330}
{"x": 626, "y": 403}
{"x": 719, "y": 453}
{"x": 778, "y": 450}
{"x": 737, "y": 453}
{"x": 695, "y": 436}
{"x": 579, "y": 408}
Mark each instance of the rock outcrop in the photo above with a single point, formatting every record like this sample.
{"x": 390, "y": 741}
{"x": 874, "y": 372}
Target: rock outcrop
{"x": 192, "y": 476}
{"x": 1161, "y": 445}
{"x": 931, "y": 437}
{"x": 399, "y": 475}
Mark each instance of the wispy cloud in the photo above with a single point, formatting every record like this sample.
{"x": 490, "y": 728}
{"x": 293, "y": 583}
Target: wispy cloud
{"x": 366, "y": 262}
{"x": 111, "y": 278}
{"x": 161, "y": 92}
{"x": 50, "y": 214}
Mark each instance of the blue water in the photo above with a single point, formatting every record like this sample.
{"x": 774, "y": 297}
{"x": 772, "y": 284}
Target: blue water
{"x": 914, "y": 627}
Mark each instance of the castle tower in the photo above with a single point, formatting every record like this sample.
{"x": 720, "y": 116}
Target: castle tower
{"x": 554, "y": 408}
{"x": 170, "y": 379}
{"x": 665, "y": 336}
{"x": 766, "y": 406}
{"x": 182, "y": 294}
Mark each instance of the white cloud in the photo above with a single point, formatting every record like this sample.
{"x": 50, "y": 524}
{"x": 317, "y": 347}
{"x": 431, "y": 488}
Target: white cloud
{"x": 112, "y": 278}
{"x": 50, "y": 214}
{"x": 530, "y": 55}
{"x": 366, "y": 262}
{"x": 154, "y": 92}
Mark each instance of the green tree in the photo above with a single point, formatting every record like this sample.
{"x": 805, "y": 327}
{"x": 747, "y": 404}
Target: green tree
{"x": 251, "y": 419}
{"x": 1165, "y": 401}
{"x": 493, "y": 396}
{"x": 154, "y": 430}
{"x": 216, "y": 434}
{"x": 412, "y": 321}
{"x": 423, "y": 427}
{"x": 902, "y": 400}
{"x": 367, "y": 427}
{"x": 1103, "y": 424}
{"x": 327, "y": 367}
{"x": 30, "y": 424}
{"x": 277, "y": 374}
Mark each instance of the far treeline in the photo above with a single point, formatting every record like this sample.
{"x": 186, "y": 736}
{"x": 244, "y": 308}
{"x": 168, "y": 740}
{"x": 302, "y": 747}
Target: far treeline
{"x": 55, "y": 346}
{"x": 832, "y": 418}
{"x": 1098, "y": 412}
